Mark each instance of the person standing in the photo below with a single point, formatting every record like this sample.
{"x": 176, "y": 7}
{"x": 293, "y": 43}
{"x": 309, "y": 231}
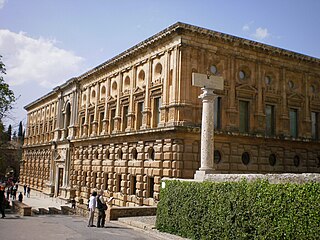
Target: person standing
{"x": 14, "y": 193}
{"x": 28, "y": 191}
{"x": 2, "y": 202}
{"x": 8, "y": 193}
{"x": 20, "y": 197}
{"x": 24, "y": 189}
{"x": 92, "y": 207}
{"x": 102, "y": 207}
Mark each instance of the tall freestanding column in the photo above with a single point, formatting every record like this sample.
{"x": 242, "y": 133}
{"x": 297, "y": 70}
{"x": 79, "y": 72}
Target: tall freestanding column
{"x": 208, "y": 84}
{"x": 207, "y": 130}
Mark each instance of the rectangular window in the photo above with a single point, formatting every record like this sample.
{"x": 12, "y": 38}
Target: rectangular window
{"x": 133, "y": 183}
{"x": 91, "y": 123}
{"x": 84, "y": 179}
{"x": 139, "y": 115}
{"x": 244, "y": 116}
{"x": 101, "y": 116}
{"x": 118, "y": 186}
{"x": 270, "y": 120}
{"x": 315, "y": 125}
{"x": 150, "y": 187}
{"x": 94, "y": 179}
{"x": 156, "y": 111}
{"x": 125, "y": 118}
{"x": 112, "y": 116}
{"x": 105, "y": 181}
{"x": 217, "y": 113}
{"x": 293, "y": 123}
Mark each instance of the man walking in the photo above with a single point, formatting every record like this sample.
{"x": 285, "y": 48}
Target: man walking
{"x": 92, "y": 207}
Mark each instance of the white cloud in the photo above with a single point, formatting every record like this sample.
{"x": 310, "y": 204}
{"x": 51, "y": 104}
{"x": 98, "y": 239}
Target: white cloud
{"x": 261, "y": 33}
{"x": 36, "y": 61}
{"x": 246, "y": 28}
{"x": 2, "y": 3}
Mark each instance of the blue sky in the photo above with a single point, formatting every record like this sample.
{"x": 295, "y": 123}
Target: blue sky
{"x": 44, "y": 43}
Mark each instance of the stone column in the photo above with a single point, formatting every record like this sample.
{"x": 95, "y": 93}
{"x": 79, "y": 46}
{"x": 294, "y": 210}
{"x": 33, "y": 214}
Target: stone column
{"x": 117, "y": 118}
{"x": 86, "y": 117}
{"x": 131, "y": 113}
{"x": 147, "y": 109}
{"x": 105, "y": 117}
{"x": 95, "y": 117}
{"x": 59, "y": 113}
{"x": 207, "y": 133}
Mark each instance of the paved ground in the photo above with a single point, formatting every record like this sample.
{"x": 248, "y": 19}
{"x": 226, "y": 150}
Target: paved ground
{"x": 62, "y": 227}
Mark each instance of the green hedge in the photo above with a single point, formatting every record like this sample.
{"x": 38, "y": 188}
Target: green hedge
{"x": 240, "y": 210}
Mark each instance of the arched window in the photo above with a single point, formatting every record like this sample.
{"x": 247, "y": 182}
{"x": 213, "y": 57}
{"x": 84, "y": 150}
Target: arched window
{"x": 114, "y": 88}
{"x": 151, "y": 153}
{"x": 141, "y": 76}
{"x": 157, "y": 71}
{"x": 126, "y": 84}
{"x": 84, "y": 99}
{"x": 134, "y": 153}
{"x": 103, "y": 92}
{"x": 67, "y": 115}
{"x": 120, "y": 154}
{"x": 245, "y": 158}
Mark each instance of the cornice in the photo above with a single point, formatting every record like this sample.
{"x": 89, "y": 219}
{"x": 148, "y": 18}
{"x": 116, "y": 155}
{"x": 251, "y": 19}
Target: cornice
{"x": 182, "y": 28}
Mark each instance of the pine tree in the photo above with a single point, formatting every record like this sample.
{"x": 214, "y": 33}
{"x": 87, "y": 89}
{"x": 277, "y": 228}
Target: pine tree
{"x": 20, "y": 130}
{"x": 9, "y": 132}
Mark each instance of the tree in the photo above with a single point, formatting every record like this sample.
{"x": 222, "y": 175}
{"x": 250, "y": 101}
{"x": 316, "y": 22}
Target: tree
{"x": 7, "y": 97}
{"x": 9, "y": 132}
{"x": 20, "y": 130}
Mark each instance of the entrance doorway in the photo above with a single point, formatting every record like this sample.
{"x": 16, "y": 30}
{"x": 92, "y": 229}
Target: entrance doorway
{"x": 60, "y": 180}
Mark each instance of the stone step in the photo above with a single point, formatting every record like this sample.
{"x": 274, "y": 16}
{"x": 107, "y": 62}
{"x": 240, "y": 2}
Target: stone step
{"x": 43, "y": 211}
{"x": 66, "y": 210}
{"x": 35, "y": 211}
{"x": 54, "y": 210}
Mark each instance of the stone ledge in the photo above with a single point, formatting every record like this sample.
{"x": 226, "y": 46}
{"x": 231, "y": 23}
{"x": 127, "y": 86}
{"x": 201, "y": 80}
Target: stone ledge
{"x": 272, "y": 178}
{"x": 21, "y": 208}
{"x": 114, "y": 213}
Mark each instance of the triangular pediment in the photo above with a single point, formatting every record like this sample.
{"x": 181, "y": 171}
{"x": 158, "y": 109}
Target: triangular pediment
{"x": 295, "y": 96}
{"x": 109, "y": 98}
{"x": 295, "y": 100}
{"x": 246, "y": 87}
{"x": 137, "y": 89}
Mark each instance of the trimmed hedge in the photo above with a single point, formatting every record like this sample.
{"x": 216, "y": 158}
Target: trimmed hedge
{"x": 240, "y": 210}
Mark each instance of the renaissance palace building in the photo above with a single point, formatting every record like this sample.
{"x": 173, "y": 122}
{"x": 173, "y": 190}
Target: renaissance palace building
{"x": 136, "y": 118}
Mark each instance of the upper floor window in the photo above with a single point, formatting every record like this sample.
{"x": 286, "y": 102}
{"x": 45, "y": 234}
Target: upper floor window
{"x": 315, "y": 125}
{"x": 293, "y": 113}
{"x": 124, "y": 118}
{"x": 139, "y": 114}
{"x": 112, "y": 116}
{"x": 156, "y": 111}
{"x": 270, "y": 120}
{"x": 217, "y": 113}
{"x": 244, "y": 116}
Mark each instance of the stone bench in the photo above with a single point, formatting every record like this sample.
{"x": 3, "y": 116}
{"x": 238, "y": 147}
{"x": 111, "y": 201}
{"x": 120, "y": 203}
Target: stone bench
{"x": 113, "y": 213}
{"x": 21, "y": 208}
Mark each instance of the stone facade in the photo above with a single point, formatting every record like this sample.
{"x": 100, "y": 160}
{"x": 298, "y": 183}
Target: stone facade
{"x": 136, "y": 118}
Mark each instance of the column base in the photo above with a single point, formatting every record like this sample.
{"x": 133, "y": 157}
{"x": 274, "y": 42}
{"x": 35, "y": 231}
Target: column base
{"x": 49, "y": 190}
{"x": 201, "y": 174}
